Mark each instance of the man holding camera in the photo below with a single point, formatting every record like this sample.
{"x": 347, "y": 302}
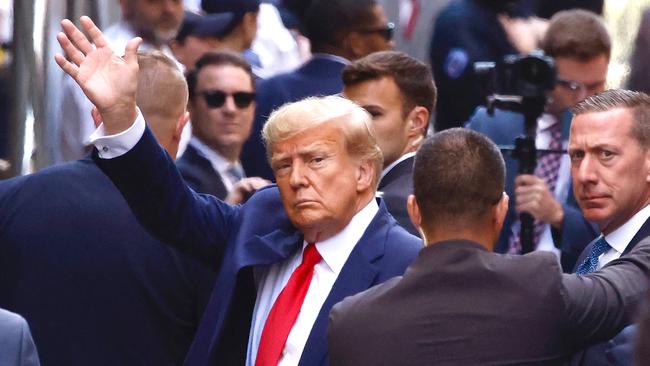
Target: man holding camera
{"x": 581, "y": 47}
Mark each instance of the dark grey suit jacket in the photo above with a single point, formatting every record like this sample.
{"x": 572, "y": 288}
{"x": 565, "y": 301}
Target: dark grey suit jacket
{"x": 16, "y": 343}
{"x": 459, "y": 304}
{"x": 396, "y": 186}
{"x": 199, "y": 174}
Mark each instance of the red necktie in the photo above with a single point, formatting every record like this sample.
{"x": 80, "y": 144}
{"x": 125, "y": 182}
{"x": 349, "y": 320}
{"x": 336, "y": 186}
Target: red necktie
{"x": 285, "y": 310}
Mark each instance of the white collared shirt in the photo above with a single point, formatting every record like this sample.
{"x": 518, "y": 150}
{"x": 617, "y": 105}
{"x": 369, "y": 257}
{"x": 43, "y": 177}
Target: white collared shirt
{"x": 335, "y": 252}
{"x": 220, "y": 164}
{"x": 621, "y": 237}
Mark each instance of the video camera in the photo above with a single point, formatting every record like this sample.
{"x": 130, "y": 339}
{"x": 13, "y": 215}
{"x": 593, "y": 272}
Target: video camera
{"x": 520, "y": 83}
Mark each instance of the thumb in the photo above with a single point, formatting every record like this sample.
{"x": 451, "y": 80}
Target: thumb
{"x": 131, "y": 51}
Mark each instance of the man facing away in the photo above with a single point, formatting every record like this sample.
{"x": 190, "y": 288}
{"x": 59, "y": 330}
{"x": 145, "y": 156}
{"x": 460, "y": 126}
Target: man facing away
{"x": 290, "y": 252}
{"x": 398, "y": 92}
{"x": 460, "y": 303}
{"x": 610, "y": 166}
{"x": 221, "y": 105}
{"x": 580, "y": 45}
{"x": 96, "y": 288}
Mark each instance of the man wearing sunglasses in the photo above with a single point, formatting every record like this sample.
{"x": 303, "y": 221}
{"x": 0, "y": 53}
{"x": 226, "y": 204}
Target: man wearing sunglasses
{"x": 581, "y": 46}
{"x": 221, "y": 105}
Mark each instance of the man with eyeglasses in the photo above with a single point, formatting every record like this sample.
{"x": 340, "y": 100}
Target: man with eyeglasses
{"x": 221, "y": 105}
{"x": 581, "y": 47}
{"x": 340, "y": 31}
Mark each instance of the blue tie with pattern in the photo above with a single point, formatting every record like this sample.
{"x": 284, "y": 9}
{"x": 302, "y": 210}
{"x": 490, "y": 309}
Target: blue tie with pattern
{"x": 590, "y": 263}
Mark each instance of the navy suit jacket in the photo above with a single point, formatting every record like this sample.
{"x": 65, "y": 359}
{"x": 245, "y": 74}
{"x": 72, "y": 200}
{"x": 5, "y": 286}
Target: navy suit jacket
{"x": 317, "y": 77}
{"x": 619, "y": 348}
{"x": 396, "y": 186}
{"x": 576, "y": 232}
{"x": 95, "y": 287}
{"x": 199, "y": 174}
{"x": 242, "y": 241}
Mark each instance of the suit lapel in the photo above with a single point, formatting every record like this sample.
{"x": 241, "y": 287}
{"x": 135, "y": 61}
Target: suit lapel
{"x": 358, "y": 274}
{"x": 643, "y": 232}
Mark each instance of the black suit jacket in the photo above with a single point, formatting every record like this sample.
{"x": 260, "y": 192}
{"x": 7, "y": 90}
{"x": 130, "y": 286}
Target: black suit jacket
{"x": 459, "y": 304}
{"x": 198, "y": 173}
{"x": 396, "y": 186}
{"x": 94, "y": 286}
{"x": 600, "y": 354}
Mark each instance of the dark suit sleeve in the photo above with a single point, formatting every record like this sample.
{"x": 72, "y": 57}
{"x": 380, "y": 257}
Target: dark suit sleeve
{"x": 600, "y": 304}
{"x": 147, "y": 177}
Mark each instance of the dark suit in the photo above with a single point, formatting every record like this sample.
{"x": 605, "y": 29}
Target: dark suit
{"x": 396, "y": 186}
{"x": 96, "y": 288}
{"x": 210, "y": 229}
{"x": 618, "y": 348}
{"x": 317, "y": 77}
{"x": 199, "y": 174}
{"x": 459, "y": 304}
{"x": 576, "y": 232}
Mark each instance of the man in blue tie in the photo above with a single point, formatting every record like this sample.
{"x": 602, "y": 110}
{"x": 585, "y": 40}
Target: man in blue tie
{"x": 609, "y": 147}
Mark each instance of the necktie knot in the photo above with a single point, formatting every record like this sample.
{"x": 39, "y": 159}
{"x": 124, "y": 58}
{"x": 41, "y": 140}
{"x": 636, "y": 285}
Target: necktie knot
{"x": 590, "y": 263}
{"x": 311, "y": 256}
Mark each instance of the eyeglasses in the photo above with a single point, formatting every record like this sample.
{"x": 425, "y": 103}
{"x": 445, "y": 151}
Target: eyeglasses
{"x": 217, "y": 98}
{"x": 572, "y": 85}
{"x": 385, "y": 32}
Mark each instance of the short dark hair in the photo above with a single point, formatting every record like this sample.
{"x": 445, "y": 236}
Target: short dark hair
{"x": 218, "y": 58}
{"x": 458, "y": 176}
{"x": 577, "y": 34}
{"x": 637, "y": 102}
{"x": 326, "y": 22}
{"x": 413, "y": 77}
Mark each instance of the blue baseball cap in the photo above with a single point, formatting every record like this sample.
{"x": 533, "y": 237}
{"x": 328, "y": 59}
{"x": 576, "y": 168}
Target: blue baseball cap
{"x": 237, "y": 7}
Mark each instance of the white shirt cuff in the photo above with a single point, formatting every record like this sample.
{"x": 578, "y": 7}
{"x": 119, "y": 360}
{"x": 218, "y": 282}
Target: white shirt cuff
{"x": 112, "y": 146}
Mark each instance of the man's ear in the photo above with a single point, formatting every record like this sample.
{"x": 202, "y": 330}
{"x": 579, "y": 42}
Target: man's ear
{"x": 413, "y": 209}
{"x": 647, "y": 165}
{"x": 180, "y": 125}
{"x": 365, "y": 175}
{"x": 355, "y": 44}
{"x": 499, "y": 212}
{"x": 418, "y": 121}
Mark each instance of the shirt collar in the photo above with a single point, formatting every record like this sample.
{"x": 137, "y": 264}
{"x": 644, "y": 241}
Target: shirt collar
{"x": 546, "y": 121}
{"x": 621, "y": 237}
{"x": 218, "y": 162}
{"x": 336, "y": 250}
{"x": 393, "y": 164}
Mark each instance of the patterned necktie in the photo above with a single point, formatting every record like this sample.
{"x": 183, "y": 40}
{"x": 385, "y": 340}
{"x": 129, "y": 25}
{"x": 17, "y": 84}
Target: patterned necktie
{"x": 548, "y": 168}
{"x": 235, "y": 173}
{"x": 285, "y": 310}
{"x": 590, "y": 263}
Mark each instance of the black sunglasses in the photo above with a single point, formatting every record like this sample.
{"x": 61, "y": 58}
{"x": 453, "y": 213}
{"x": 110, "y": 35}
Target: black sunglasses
{"x": 217, "y": 98}
{"x": 385, "y": 32}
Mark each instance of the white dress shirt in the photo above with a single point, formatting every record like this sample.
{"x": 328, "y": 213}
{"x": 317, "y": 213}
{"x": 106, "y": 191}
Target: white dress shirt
{"x": 272, "y": 279}
{"x": 621, "y": 237}
{"x": 220, "y": 164}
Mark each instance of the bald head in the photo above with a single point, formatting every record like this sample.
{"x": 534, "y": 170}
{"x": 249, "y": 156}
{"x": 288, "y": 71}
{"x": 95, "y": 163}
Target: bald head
{"x": 162, "y": 97}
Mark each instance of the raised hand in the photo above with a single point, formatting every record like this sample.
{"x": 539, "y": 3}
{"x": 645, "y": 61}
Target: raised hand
{"x": 533, "y": 196}
{"x": 109, "y": 81}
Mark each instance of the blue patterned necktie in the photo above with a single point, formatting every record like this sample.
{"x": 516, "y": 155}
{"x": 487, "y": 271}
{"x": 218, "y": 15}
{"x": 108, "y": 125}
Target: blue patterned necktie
{"x": 590, "y": 263}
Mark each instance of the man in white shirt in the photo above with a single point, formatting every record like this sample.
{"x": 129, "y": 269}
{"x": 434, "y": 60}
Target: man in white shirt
{"x": 289, "y": 253}
{"x": 157, "y": 23}
{"x": 609, "y": 149}
{"x": 222, "y": 106}
{"x": 398, "y": 92}
{"x": 580, "y": 45}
